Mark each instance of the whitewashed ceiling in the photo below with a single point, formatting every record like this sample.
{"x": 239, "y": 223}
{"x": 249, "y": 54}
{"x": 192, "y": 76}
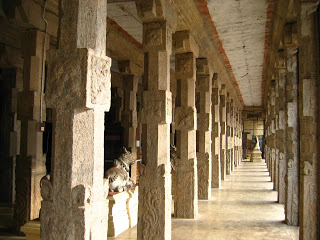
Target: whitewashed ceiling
{"x": 241, "y": 26}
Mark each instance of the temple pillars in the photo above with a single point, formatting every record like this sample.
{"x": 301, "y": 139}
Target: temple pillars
{"x": 309, "y": 119}
{"x": 154, "y": 214}
{"x": 215, "y": 134}
{"x": 74, "y": 202}
{"x": 129, "y": 120}
{"x": 31, "y": 162}
{"x": 292, "y": 131}
{"x": 204, "y": 126}
{"x": 281, "y": 126}
{"x": 223, "y": 134}
{"x": 186, "y": 181}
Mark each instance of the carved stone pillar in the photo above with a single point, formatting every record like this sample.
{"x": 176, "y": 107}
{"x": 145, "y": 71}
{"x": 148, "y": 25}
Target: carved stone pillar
{"x": 154, "y": 212}
{"x": 204, "y": 126}
{"x": 31, "y": 162}
{"x": 216, "y": 165}
{"x": 186, "y": 199}
{"x": 129, "y": 120}
{"x": 272, "y": 142}
{"x": 309, "y": 120}
{"x": 228, "y": 135}
{"x": 232, "y": 135}
{"x": 74, "y": 205}
{"x": 281, "y": 126}
{"x": 292, "y": 138}
{"x": 223, "y": 133}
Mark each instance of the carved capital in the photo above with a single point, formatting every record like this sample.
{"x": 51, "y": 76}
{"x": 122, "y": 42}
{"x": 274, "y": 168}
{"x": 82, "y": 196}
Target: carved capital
{"x": 184, "y": 42}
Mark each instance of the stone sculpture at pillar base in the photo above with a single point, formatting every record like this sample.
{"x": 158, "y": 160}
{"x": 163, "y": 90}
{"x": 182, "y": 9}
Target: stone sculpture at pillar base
{"x": 256, "y": 153}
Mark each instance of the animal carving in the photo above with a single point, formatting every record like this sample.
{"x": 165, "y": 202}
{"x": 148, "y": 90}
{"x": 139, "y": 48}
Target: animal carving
{"x": 118, "y": 175}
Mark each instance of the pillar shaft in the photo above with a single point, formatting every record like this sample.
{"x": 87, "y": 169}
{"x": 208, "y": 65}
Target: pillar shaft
{"x": 186, "y": 186}
{"x": 204, "y": 126}
{"x": 216, "y": 165}
{"x": 281, "y": 128}
{"x": 292, "y": 141}
{"x": 74, "y": 202}
{"x": 154, "y": 212}
{"x": 223, "y": 143}
{"x": 309, "y": 221}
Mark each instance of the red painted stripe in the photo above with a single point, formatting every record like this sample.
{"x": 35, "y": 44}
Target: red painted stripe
{"x": 203, "y": 9}
{"x": 123, "y": 32}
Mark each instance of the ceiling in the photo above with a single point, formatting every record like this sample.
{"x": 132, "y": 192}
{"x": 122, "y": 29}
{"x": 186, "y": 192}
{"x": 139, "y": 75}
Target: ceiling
{"x": 241, "y": 26}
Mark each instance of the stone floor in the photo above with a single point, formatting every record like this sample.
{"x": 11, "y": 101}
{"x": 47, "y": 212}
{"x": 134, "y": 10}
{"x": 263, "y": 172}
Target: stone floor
{"x": 244, "y": 208}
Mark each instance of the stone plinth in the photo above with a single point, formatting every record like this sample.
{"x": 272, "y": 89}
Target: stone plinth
{"x": 118, "y": 220}
{"x": 256, "y": 156}
{"x": 132, "y": 206}
{"x": 32, "y": 230}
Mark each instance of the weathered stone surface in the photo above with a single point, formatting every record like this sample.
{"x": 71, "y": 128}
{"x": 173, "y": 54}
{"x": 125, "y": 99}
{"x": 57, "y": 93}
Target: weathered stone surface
{"x": 204, "y": 119}
{"x": 79, "y": 93}
{"x": 154, "y": 212}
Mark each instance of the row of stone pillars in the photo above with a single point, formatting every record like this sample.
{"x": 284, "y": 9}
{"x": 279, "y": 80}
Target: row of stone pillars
{"x": 291, "y": 124}
{"x": 74, "y": 202}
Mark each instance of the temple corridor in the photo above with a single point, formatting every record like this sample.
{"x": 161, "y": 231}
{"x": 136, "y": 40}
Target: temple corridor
{"x": 245, "y": 207}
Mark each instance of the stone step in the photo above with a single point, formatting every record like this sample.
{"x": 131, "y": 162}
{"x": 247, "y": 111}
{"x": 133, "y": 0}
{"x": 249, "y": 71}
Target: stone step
{"x": 4, "y": 236}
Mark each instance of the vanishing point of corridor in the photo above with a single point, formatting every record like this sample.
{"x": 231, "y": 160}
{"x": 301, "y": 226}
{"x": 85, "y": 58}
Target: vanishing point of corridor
{"x": 245, "y": 207}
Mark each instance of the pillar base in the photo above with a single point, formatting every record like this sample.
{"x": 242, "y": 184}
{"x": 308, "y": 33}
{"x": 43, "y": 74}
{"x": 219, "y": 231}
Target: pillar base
{"x": 256, "y": 156}
{"x": 32, "y": 230}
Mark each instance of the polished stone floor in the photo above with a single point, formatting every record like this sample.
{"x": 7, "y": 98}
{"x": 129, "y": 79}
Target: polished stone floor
{"x": 244, "y": 207}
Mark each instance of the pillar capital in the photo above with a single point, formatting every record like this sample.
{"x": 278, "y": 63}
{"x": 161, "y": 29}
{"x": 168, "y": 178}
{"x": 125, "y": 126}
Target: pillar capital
{"x": 183, "y": 42}
{"x": 157, "y": 10}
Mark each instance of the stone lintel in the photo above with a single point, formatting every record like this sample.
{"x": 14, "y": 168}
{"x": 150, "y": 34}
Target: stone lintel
{"x": 128, "y": 67}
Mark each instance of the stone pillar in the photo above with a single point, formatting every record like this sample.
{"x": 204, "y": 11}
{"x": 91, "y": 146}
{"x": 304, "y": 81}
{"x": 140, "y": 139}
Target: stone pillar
{"x": 154, "y": 212}
{"x": 129, "y": 120}
{"x": 74, "y": 205}
{"x": 281, "y": 126}
{"x": 204, "y": 126}
{"x": 272, "y": 143}
{"x": 292, "y": 131}
{"x": 186, "y": 199}
{"x": 215, "y": 135}
{"x": 309, "y": 220}
{"x": 232, "y": 135}
{"x": 223, "y": 125}
{"x": 31, "y": 162}
{"x": 228, "y": 135}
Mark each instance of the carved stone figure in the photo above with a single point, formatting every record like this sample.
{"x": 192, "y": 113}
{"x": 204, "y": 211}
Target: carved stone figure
{"x": 118, "y": 175}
